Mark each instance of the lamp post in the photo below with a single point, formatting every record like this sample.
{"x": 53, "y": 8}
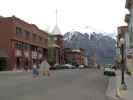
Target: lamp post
{"x": 123, "y": 84}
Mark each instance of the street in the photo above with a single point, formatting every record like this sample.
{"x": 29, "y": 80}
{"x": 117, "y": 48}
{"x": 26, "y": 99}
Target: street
{"x": 85, "y": 84}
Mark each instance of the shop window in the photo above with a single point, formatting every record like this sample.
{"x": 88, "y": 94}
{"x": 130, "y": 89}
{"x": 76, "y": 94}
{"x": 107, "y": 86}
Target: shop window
{"x": 26, "y": 46}
{"x": 19, "y": 45}
{"x": 45, "y": 41}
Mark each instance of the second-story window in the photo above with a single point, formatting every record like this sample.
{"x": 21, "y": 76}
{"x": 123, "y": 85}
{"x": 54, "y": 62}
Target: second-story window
{"x": 34, "y": 37}
{"x": 27, "y": 34}
{"x": 40, "y": 38}
{"x": 45, "y": 41}
{"x": 18, "y": 31}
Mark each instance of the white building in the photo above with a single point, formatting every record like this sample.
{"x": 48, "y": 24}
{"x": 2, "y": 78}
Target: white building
{"x": 129, "y": 34}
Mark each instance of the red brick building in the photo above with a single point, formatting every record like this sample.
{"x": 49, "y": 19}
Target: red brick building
{"x": 23, "y": 43}
{"x": 75, "y": 56}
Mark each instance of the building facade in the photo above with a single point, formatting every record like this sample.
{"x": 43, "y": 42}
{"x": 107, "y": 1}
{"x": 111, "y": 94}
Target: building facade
{"x": 24, "y": 43}
{"x": 56, "y": 45}
{"x": 75, "y": 56}
{"x": 59, "y": 41}
{"x": 129, "y": 21}
{"x": 56, "y": 49}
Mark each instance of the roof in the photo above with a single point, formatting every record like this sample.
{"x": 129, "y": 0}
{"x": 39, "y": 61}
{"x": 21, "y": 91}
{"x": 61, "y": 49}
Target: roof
{"x": 33, "y": 26}
{"x": 56, "y": 30}
{"x": 57, "y": 35}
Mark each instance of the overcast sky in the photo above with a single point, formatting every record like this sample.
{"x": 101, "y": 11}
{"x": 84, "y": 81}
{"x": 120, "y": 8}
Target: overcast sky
{"x": 85, "y": 15}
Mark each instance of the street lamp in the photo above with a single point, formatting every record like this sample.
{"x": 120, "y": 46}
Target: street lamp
{"x": 122, "y": 44}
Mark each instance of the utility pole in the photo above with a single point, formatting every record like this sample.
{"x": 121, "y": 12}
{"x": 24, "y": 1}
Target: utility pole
{"x": 123, "y": 84}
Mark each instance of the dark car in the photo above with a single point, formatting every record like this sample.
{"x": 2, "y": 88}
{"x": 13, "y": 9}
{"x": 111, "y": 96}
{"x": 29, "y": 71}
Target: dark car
{"x": 109, "y": 71}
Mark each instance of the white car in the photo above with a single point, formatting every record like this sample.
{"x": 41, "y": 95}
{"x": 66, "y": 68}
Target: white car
{"x": 69, "y": 66}
{"x": 81, "y": 66}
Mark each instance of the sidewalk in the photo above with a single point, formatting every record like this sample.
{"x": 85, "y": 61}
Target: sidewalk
{"x": 114, "y": 91}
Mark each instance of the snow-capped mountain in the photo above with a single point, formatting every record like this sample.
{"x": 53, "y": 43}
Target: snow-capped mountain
{"x": 104, "y": 45}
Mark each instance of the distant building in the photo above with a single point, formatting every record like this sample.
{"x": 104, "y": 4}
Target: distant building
{"x": 56, "y": 49}
{"x": 75, "y": 56}
{"x": 22, "y": 43}
{"x": 56, "y": 46}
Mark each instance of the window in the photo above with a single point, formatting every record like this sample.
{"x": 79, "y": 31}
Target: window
{"x": 34, "y": 37}
{"x": 45, "y": 41}
{"x": 40, "y": 38}
{"x": 26, "y": 46}
{"x": 18, "y": 31}
{"x": 19, "y": 45}
{"x": 27, "y": 34}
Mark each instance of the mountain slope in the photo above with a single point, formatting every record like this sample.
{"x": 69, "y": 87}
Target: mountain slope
{"x": 104, "y": 46}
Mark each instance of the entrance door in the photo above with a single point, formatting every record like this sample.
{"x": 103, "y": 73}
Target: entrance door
{"x": 3, "y": 63}
{"x": 18, "y": 63}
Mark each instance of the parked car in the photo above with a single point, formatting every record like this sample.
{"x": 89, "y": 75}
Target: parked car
{"x": 81, "y": 66}
{"x": 69, "y": 66}
{"x": 57, "y": 66}
{"x": 109, "y": 71}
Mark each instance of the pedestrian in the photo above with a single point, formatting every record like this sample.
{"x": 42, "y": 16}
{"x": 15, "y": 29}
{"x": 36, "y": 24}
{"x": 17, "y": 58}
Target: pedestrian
{"x": 98, "y": 66}
{"x": 44, "y": 67}
{"x": 35, "y": 70}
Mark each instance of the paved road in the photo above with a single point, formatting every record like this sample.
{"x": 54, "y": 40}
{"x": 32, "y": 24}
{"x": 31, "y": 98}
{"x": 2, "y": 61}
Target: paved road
{"x": 86, "y": 84}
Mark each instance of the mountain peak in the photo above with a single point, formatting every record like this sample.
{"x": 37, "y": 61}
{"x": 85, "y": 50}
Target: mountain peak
{"x": 104, "y": 45}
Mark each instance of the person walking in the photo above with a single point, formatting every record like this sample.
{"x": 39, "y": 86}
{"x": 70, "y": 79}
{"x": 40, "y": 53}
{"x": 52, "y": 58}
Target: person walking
{"x": 35, "y": 70}
{"x": 44, "y": 67}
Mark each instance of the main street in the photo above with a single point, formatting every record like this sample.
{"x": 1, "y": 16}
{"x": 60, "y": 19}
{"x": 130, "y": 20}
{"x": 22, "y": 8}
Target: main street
{"x": 85, "y": 84}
